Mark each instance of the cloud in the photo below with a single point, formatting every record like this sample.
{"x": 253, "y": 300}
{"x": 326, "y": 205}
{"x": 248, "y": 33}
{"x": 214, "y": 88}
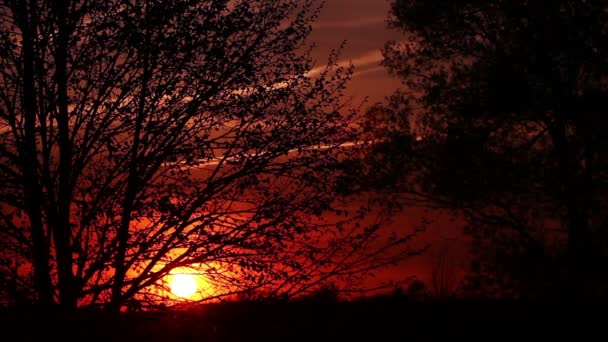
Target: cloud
{"x": 365, "y": 63}
{"x": 352, "y": 23}
{"x": 240, "y": 157}
{"x": 370, "y": 58}
{"x": 371, "y": 70}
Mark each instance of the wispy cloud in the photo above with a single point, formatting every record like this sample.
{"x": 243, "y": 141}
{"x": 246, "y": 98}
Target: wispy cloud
{"x": 369, "y": 71}
{"x": 364, "y": 64}
{"x": 372, "y": 57}
{"x": 352, "y": 23}
{"x": 237, "y": 158}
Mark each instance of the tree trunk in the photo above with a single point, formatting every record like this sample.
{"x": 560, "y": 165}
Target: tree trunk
{"x": 123, "y": 234}
{"x": 33, "y": 194}
{"x": 62, "y": 227}
{"x": 575, "y": 197}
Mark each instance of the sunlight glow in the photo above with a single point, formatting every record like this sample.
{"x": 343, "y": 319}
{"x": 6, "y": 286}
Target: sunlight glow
{"x": 184, "y": 285}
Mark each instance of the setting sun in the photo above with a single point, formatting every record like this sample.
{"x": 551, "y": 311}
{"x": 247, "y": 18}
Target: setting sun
{"x": 184, "y": 285}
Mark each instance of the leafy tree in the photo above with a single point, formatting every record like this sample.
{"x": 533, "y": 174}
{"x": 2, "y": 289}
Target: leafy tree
{"x": 142, "y": 137}
{"x": 501, "y": 118}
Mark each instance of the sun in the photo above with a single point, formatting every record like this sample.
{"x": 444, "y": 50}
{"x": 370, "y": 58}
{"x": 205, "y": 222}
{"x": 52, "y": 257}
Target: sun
{"x": 184, "y": 285}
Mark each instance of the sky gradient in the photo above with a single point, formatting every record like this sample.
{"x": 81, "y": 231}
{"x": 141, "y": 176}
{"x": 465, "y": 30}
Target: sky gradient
{"x": 362, "y": 25}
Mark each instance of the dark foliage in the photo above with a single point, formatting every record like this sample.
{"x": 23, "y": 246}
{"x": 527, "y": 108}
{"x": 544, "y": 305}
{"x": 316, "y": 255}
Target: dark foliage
{"x": 501, "y": 119}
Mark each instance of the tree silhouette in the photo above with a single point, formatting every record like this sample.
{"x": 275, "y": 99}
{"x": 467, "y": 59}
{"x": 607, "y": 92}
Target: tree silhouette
{"x": 444, "y": 277}
{"x": 501, "y": 118}
{"x": 140, "y": 137}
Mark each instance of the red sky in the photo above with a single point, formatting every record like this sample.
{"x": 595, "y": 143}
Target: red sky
{"x": 362, "y": 24}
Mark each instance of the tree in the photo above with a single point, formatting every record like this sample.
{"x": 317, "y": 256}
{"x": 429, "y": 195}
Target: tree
{"x": 501, "y": 118}
{"x": 444, "y": 272}
{"x": 144, "y": 137}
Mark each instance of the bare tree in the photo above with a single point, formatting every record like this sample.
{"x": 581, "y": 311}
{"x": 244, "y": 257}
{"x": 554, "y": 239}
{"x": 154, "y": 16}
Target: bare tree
{"x": 139, "y": 137}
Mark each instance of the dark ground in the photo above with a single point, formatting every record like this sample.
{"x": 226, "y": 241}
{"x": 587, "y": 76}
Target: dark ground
{"x": 374, "y": 320}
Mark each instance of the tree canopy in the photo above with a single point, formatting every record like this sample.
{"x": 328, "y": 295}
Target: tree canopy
{"x": 142, "y": 137}
{"x": 501, "y": 118}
